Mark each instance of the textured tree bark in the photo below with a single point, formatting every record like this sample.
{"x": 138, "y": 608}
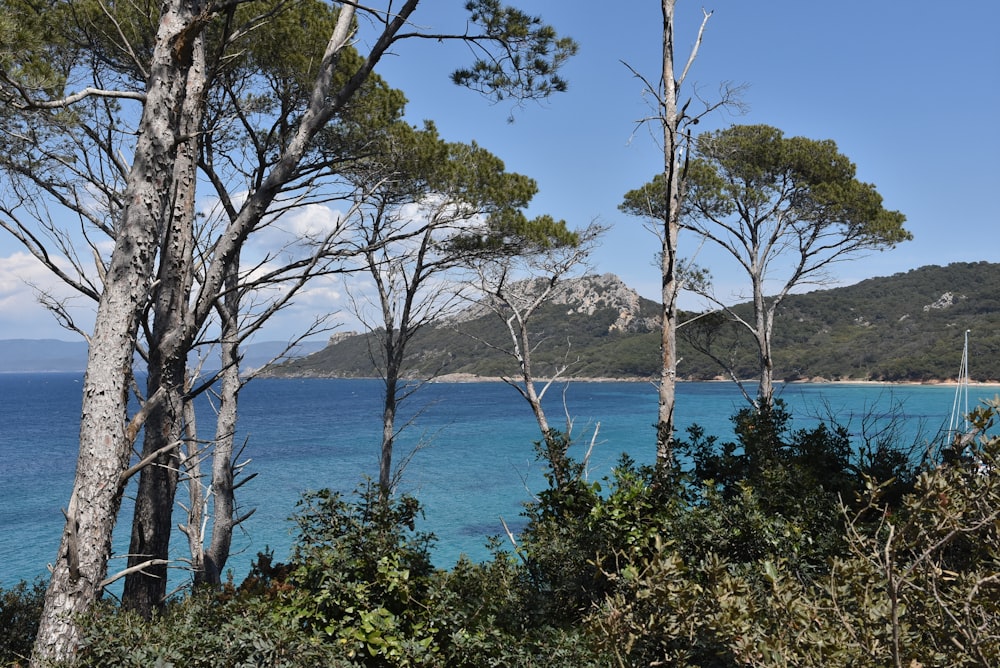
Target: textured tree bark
{"x": 145, "y": 587}
{"x": 670, "y": 282}
{"x": 80, "y": 568}
{"x": 170, "y": 340}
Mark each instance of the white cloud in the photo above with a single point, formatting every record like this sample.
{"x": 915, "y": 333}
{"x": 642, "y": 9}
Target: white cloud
{"x": 285, "y": 234}
{"x": 21, "y": 314}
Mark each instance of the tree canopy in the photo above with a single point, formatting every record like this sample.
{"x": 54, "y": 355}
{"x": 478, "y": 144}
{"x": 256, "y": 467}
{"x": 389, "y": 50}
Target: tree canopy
{"x": 785, "y": 209}
{"x": 119, "y": 113}
{"x": 749, "y": 186}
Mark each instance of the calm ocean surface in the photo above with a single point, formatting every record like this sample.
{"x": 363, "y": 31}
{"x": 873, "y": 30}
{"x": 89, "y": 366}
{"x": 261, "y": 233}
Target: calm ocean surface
{"x": 475, "y": 463}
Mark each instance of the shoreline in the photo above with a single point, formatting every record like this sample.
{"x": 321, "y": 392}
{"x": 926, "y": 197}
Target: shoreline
{"x": 473, "y": 378}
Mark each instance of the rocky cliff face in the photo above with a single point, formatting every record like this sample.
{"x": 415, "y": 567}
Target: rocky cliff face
{"x": 590, "y": 293}
{"x": 585, "y": 295}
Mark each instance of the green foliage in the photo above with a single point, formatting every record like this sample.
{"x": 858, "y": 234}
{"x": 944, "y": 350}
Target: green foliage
{"x": 271, "y": 84}
{"x": 913, "y": 586}
{"x": 265, "y": 49}
{"x": 34, "y": 54}
{"x": 777, "y": 493}
{"x": 20, "y": 609}
{"x": 580, "y": 534}
{"x": 360, "y": 577}
{"x": 750, "y": 569}
{"x": 528, "y": 66}
{"x": 768, "y": 456}
{"x": 558, "y": 549}
{"x": 407, "y": 165}
{"x": 360, "y": 592}
{"x": 756, "y": 170}
{"x": 231, "y": 629}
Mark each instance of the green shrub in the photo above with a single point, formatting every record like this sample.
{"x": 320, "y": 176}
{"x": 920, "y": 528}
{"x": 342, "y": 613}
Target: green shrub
{"x": 359, "y": 591}
{"x": 208, "y": 629}
{"x": 747, "y": 558}
{"x": 916, "y": 585}
{"x": 360, "y": 575}
{"x": 20, "y": 610}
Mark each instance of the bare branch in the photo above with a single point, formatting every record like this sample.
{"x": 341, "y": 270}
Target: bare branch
{"x": 73, "y": 98}
{"x": 694, "y": 49}
{"x": 134, "y": 569}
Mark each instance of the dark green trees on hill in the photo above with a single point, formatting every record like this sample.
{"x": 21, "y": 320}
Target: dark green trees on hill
{"x": 906, "y": 327}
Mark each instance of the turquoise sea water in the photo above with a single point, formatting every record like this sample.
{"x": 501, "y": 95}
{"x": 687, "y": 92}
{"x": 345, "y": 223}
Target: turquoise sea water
{"x": 475, "y": 461}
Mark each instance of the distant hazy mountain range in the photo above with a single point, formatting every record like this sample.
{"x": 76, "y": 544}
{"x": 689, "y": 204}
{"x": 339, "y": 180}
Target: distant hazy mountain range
{"x": 23, "y": 355}
{"x": 51, "y": 355}
{"x": 905, "y": 327}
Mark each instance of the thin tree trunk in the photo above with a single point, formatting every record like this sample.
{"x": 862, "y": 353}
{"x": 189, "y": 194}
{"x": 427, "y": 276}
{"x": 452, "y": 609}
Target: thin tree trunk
{"x": 670, "y": 285}
{"x": 393, "y": 347}
{"x": 555, "y": 444}
{"x": 145, "y": 588}
{"x": 765, "y": 393}
{"x": 528, "y": 376}
{"x": 388, "y": 427}
{"x": 209, "y": 557}
{"x": 224, "y": 519}
{"x": 190, "y": 464}
{"x": 762, "y": 333}
{"x": 80, "y": 567}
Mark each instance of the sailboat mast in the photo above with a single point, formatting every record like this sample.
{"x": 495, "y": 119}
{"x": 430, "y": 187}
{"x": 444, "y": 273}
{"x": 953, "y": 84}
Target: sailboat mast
{"x": 960, "y": 407}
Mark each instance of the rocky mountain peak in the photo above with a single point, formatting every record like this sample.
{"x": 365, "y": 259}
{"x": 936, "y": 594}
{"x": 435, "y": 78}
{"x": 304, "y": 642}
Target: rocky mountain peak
{"x": 585, "y": 295}
{"x": 588, "y": 294}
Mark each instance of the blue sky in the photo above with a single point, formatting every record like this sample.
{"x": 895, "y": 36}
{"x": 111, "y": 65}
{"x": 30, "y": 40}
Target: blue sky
{"x": 909, "y": 91}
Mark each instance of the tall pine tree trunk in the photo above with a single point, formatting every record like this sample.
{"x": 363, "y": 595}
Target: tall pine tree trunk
{"x": 171, "y": 338}
{"x": 670, "y": 280}
{"x": 80, "y": 567}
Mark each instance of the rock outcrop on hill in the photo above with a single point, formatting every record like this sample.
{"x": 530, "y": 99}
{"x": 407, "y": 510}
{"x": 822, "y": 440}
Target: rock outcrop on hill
{"x": 906, "y": 327}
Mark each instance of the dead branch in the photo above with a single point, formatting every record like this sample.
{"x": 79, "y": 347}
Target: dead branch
{"x": 134, "y": 569}
{"x": 144, "y": 462}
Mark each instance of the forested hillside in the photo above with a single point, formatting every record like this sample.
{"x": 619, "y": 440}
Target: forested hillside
{"x": 905, "y": 327}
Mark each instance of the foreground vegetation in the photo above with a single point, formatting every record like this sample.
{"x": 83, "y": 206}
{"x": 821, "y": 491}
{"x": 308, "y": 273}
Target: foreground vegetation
{"x": 782, "y": 548}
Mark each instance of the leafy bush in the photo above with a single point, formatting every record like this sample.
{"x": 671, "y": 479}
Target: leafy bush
{"x": 207, "y": 629}
{"x": 776, "y": 493}
{"x": 20, "y": 610}
{"x": 358, "y": 592}
{"x": 916, "y": 587}
{"x": 360, "y": 574}
{"x": 778, "y": 549}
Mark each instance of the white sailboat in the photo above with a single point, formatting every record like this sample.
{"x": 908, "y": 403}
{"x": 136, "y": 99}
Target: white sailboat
{"x": 958, "y": 425}
{"x": 960, "y": 432}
